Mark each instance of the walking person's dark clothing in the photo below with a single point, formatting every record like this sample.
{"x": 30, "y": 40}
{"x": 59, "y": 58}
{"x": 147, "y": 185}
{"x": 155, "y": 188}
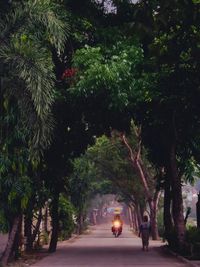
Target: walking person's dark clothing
{"x": 144, "y": 233}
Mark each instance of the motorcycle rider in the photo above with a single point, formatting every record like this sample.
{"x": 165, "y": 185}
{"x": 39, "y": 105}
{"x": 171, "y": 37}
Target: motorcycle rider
{"x": 118, "y": 219}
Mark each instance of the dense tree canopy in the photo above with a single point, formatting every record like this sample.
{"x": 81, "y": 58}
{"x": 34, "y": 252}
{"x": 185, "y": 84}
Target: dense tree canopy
{"x": 72, "y": 73}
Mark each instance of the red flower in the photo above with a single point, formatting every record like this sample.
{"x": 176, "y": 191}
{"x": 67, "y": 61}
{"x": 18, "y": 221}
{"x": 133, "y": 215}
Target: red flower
{"x": 69, "y": 73}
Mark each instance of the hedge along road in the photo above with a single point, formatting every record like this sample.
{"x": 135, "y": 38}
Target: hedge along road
{"x": 99, "y": 248}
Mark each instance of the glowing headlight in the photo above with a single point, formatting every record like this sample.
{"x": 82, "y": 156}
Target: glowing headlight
{"x": 117, "y": 224}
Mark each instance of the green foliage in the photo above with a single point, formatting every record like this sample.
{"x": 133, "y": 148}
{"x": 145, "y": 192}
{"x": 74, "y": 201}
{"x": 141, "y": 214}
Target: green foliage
{"x": 66, "y": 217}
{"x": 28, "y": 31}
{"x": 154, "y": 80}
{"x": 15, "y": 184}
{"x": 193, "y": 234}
{"x": 4, "y": 227}
{"x": 191, "y": 170}
{"x": 80, "y": 183}
{"x": 81, "y": 29}
{"x": 43, "y": 20}
{"x": 52, "y": 20}
{"x": 118, "y": 73}
{"x": 160, "y": 223}
{"x": 112, "y": 162}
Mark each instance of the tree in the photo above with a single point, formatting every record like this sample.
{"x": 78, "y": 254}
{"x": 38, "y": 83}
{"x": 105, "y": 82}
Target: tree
{"x": 81, "y": 187}
{"x": 131, "y": 179}
{"x": 147, "y": 177}
{"x": 26, "y": 62}
{"x": 16, "y": 186}
{"x": 27, "y": 80}
{"x": 169, "y": 115}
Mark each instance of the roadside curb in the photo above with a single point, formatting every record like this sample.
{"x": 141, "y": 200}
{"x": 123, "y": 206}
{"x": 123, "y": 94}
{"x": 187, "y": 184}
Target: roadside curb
{"x": 191, "y": 264}
{"x": 75, "y": 236}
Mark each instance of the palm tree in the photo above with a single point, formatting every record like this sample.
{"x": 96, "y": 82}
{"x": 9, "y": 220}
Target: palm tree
{"x": 28, "y": 34}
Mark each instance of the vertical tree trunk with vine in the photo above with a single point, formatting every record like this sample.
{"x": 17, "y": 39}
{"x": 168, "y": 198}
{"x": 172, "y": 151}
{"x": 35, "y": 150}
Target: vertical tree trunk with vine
{"x": 168, "y": 222}
{"x": 28, "y": 231}
{"x": 198, "y": 211}
{"x": 55, "y": 223}
{"x": 28, "y": 220}
{"x": 37, "y": 226}
{"x": 177, "y": 199}
{"x": 11, "y": 239}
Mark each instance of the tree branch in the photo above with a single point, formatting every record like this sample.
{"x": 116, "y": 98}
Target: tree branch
{"x": 135, "y": 159}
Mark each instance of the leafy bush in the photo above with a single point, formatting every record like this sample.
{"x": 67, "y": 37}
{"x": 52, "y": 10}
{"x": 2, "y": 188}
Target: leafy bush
{"x": 160, "y": 223}
{"x": 66, "y": 214}
{"x": 3, "y": 223}
{"x": 193, "y": 234}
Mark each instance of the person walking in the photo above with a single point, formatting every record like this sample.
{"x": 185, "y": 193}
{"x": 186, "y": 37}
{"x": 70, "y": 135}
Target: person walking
{"x": 145, "y": 232}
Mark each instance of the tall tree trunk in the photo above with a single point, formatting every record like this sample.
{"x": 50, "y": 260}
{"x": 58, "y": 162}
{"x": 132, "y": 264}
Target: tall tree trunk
{"x": 138, "y": 166}
{"x": 9, "y": 247}
{"x": 55, "y": 223}
{"x": 28, "y": 220}
{"x": 134, "y": 218}
{"x": 93, "y": 217}
{"x": 167, "y": 216}
{"x": 130, "y": 217}
{"x": 139, "y": 217}
{"x": 153, "y": 204}
{"x": 80, "y": 223}
{"x": 37, "y": 227}
{"x": 28, "y": 230}
{"x": 177, "y": 204}
{"x": 46, "y": 219}
{"x": 152, "y": 200}
{"x": 18, "y": 241}
{"x": 136, "y": 221}
{"x": 198, "y": 211}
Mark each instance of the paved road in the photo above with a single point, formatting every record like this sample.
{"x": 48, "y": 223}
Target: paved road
{"x": 100, "y": 248}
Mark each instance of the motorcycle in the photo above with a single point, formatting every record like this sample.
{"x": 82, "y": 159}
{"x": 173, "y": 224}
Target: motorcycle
{"x": 117, "y": 228}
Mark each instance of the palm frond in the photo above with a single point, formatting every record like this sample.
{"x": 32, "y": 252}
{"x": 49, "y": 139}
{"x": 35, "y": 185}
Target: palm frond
{"x": 39, "y": 133}
{"x": 26, "y": 34}
{"x": 42, "y": 18}
{"x": 46, "y": 13}
{"x": 35, "y": 70}
{"x": 32, "y": 84}
{"x": 10, "y": 23}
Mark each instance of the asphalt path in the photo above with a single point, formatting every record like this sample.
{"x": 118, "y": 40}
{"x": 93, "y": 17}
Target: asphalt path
{"x": 100, "y": 248}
